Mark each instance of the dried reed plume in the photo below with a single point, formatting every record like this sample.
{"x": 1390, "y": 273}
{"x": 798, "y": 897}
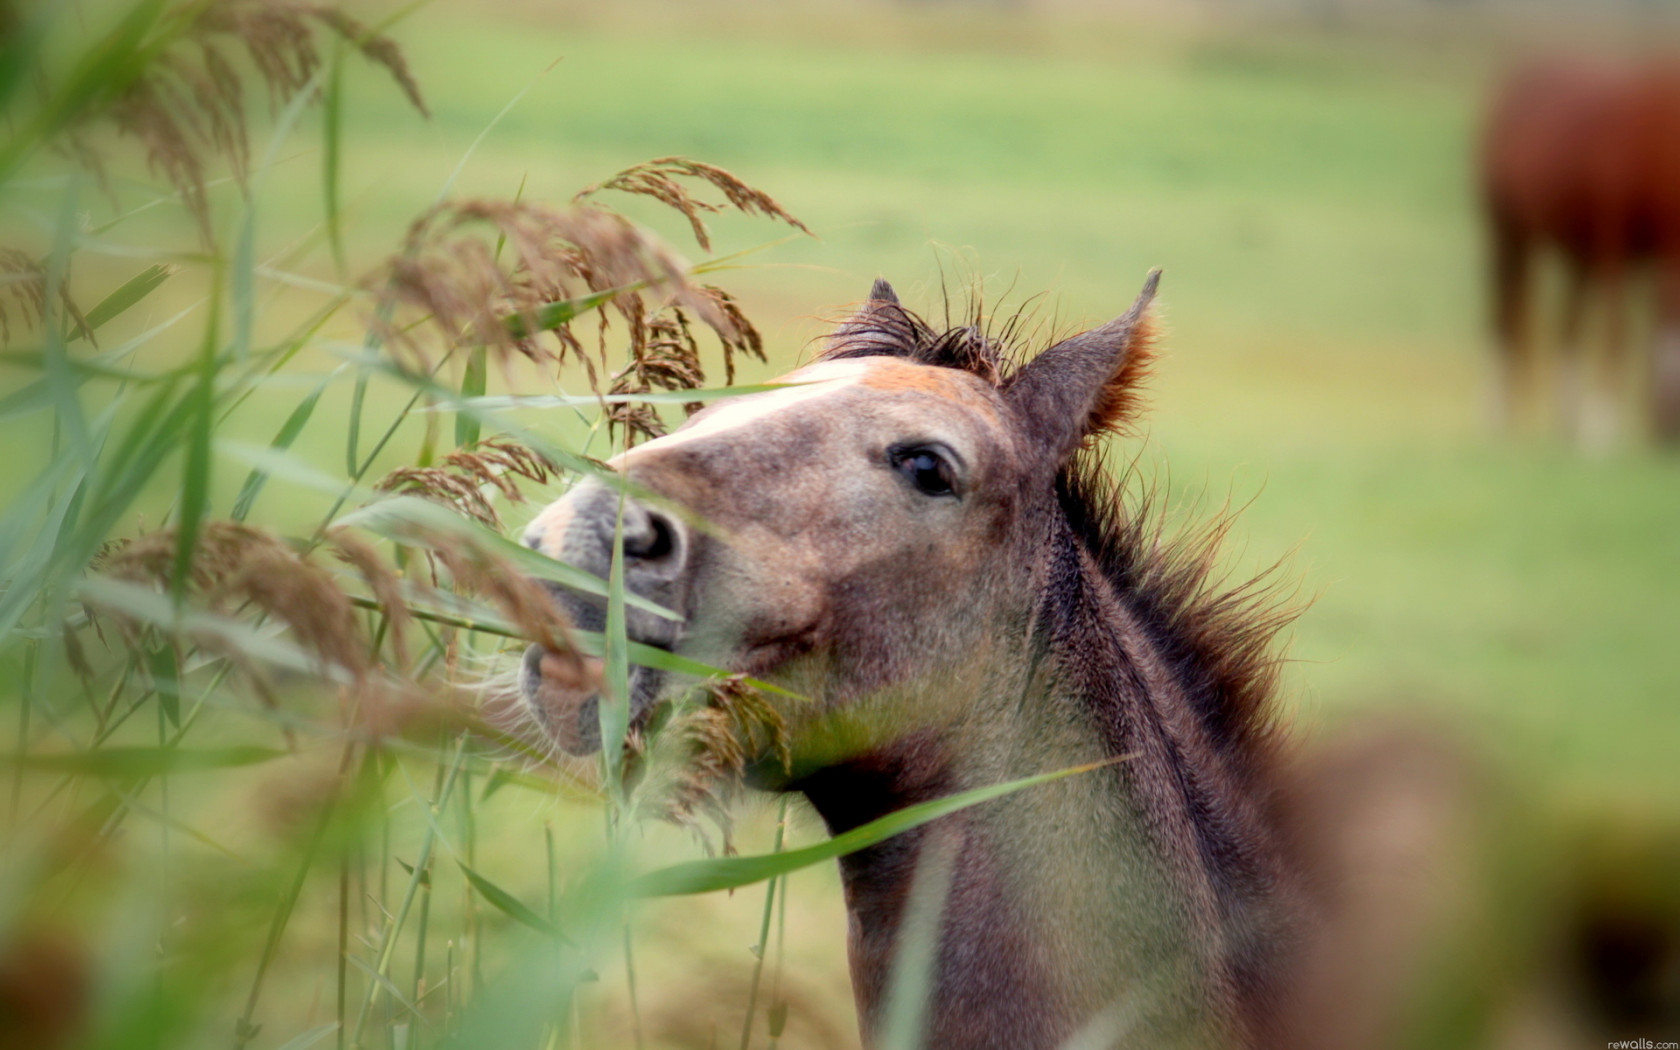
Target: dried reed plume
{"x": 238, "y": 567}
{"x": 747, "y": 339}
{"x": 450, "y": 285}
{"x": 24, "y": 282}
{"x": 706, "y": 749}
{"x": 466, "y": 472}
{"x": 523, "y": 600}
{"x": 667, "y": 357}
{"x": 658, "y": 179}
{"x": 460, "y": 484}
{"x": 188, "y": 101}
{"x": 383, "y": 581}
{"x": 452, "y": 277}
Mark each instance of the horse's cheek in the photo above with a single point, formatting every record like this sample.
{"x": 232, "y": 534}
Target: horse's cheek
{"x": 761, "y": 589}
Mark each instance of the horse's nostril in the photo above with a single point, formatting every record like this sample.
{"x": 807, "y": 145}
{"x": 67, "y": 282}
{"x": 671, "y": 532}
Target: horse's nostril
{"x": 653, "y": 543}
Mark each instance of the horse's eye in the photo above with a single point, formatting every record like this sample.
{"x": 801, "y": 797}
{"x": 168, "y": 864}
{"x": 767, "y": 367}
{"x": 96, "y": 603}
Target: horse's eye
{"x": 926, "y": 469}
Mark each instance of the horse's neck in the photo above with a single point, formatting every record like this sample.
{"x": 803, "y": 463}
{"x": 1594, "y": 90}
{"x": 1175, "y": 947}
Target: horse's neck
{"x": 1089, "y": 898}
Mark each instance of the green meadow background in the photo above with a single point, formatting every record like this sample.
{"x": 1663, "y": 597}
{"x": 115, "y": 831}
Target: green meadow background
{"x": 1309, "y": 196}
{"x": 1307, "y": 191}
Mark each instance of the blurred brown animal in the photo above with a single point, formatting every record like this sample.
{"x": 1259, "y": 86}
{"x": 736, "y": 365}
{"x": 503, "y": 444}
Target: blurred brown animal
{"x": 1456, "y": 907}
{"x": 45, "y": 985}
{"x": 1584, "y": 160}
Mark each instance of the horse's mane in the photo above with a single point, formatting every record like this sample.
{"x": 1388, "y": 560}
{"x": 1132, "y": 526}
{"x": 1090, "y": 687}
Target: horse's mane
{"x": 1219, "y": 636}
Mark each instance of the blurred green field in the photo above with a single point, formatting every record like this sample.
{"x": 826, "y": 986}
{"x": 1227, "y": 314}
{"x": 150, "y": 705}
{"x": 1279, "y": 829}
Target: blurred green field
{"x": 1309, "y": 199}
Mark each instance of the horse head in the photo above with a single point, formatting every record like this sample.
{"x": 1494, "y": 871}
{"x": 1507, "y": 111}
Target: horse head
{"x": 867, "y": 523}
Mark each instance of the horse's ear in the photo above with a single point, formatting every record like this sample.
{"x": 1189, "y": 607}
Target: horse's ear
{"x": 1086, "y": 385}
{"x": 880, "y": 327}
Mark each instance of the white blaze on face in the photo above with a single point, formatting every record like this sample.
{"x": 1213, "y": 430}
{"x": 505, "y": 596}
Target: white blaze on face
{"x": 819, "y": 380}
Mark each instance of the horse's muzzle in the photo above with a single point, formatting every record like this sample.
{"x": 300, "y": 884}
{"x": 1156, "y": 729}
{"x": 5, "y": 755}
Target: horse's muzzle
{"x": 580, "y": 530}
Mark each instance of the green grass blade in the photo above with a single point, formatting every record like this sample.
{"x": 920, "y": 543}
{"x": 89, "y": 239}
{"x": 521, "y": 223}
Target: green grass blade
{"x": 614, "y": 709}
{"x": 129, "y": 294}
{"x": 165, "y": 670}
{"x": 725, "y": 873}
{"x": 508, "y": 904}
{"x": 288, "y": 433}
{"x": 448, "y": 400}
{"x": 358, "y": 469}
{"x": 764, "y": 928}
{"x": 244, "y": 283}
{"x": 268, "y": 364}
{"x": 43, "y": 392}
{"x": 274, "y": 462}
{"x": 472, "y": 388}
{"x": 332, "y": 140}
{"x": 146, "y": 605}
{"x": 313, "y": 1037}
{"x": 32, "y": 398}
{"x": 353, "y": 435}
{"x": 60, "y": 376}
{"x": 552, "y": 315}
{"x": 472, "y": 616}
{"x": 393, "y": 928}
{"x": 384, "y": 981}
{"x": 122, "y": 763}
{"x": 732, "y": 261}
{"x": 448, "y": 186}
{"x": 916, "y": 949}
{"x": 195, "y": 471}
{"x": 31, "y": 516}
{"x": 282, "y": 917}
{"x": 412, "y": 519}
{"x": 21, "y": 46}
{"x": 137, "y": 454}
{"x": 650, "y": 397}
{"x": 243, "y": 289}
{"x": 592, "y": 643}
{"x": 33, "y": 571}
{"x": 100, "y": 76}
{"x": 164, "y": 820}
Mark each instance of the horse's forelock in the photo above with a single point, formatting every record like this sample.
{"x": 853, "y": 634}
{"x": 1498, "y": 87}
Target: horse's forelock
{"x": 884, "y": 328}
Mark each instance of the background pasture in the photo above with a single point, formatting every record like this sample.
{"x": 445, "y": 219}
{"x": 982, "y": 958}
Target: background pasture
{"x": 1305, "y": 184}
{"x": 1310, "y": 199}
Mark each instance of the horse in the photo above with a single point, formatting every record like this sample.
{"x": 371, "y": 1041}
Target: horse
{"x": 922, "y": 539}
{"x": 1584, "y": 160}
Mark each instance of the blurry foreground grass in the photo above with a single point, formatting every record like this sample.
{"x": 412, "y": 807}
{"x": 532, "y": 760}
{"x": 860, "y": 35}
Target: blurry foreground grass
{"x": 248, "y": 764}
{"x": 207, "y": 846}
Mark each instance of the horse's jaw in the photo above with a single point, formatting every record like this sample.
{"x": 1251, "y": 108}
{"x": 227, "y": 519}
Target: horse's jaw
{"x": 563, "y": 694}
